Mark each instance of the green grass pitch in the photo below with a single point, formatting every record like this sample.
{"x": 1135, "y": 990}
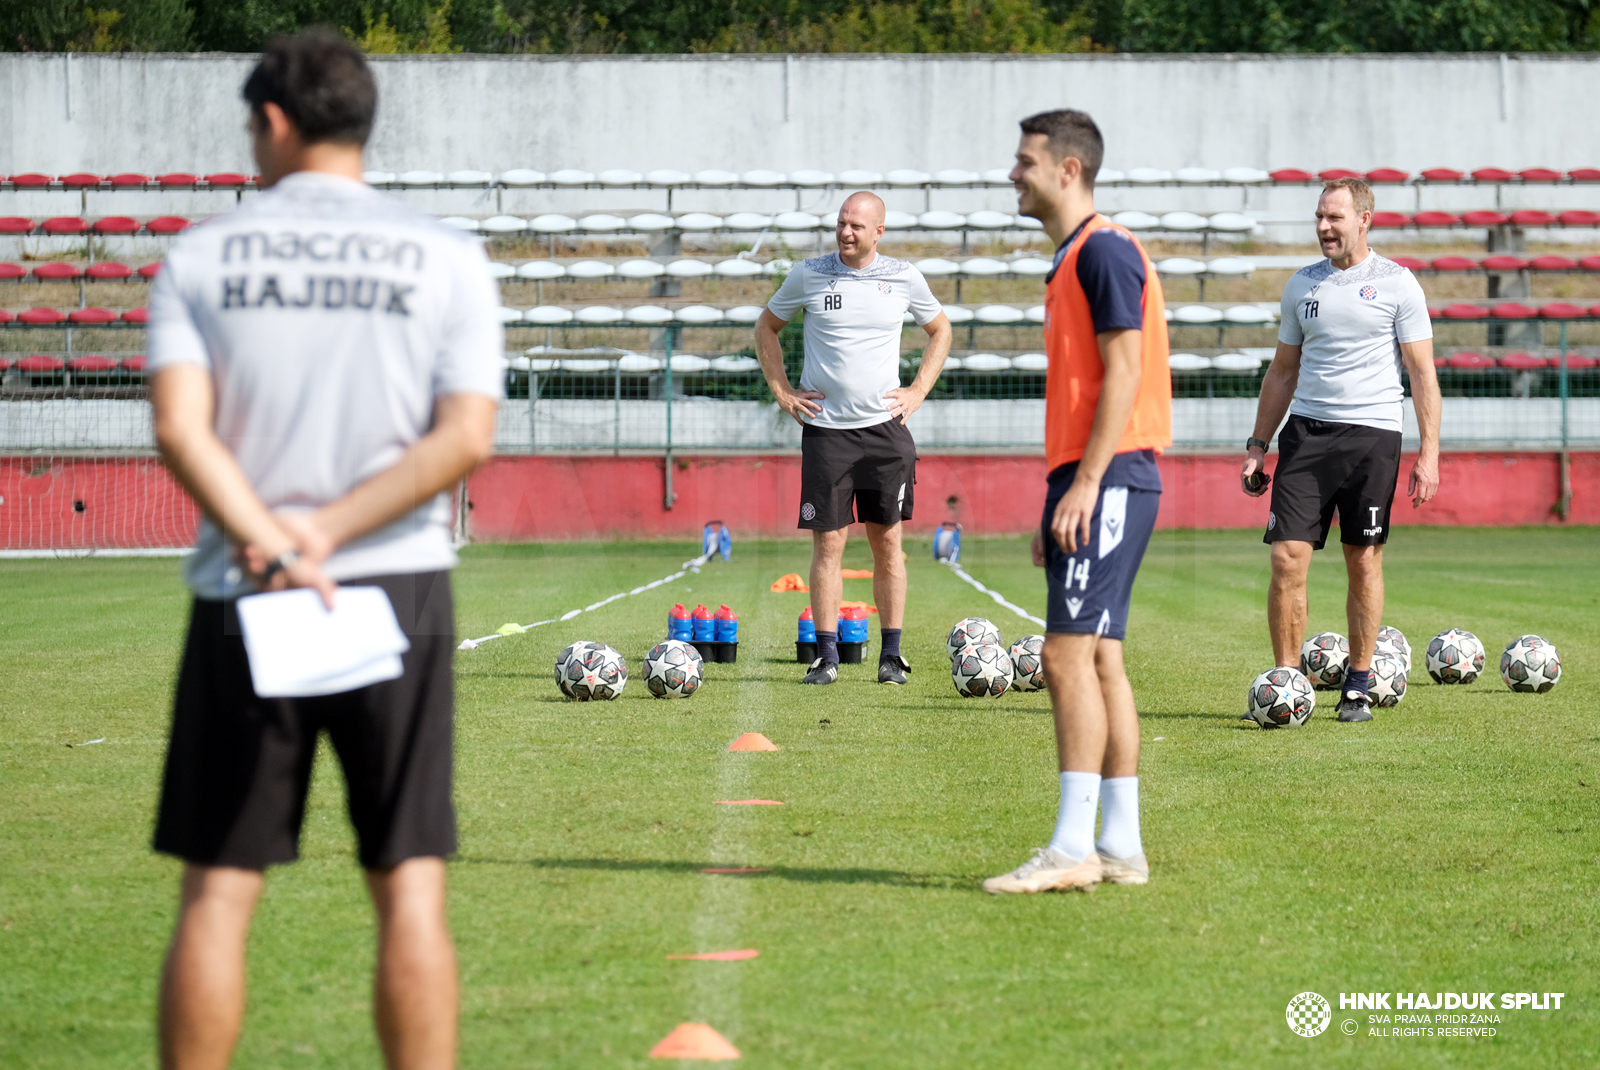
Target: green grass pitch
{"x": 1449, "y": 845}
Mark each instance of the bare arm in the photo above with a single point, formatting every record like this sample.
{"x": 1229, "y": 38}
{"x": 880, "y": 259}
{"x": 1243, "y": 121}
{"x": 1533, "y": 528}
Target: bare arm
{"x": 801, "y": 404}
{"x": 1424, "y": 481}
{"x": 905, "y": 400}
{"x": 1277, "y": 391}
{"x": 1121, "y": 352}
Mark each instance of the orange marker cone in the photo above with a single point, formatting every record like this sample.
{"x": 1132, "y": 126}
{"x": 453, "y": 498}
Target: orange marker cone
{"x": 694, "y": 1040}
{"x": 752, "y": 741}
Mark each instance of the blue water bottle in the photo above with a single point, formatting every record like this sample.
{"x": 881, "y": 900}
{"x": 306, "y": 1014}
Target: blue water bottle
{"x": 805, "y": 643}
{"x": 705, "y": 633}
{"x": 852, "y": 634}
{"x": 727, "y": 632}
{"x": 678, "y": 626}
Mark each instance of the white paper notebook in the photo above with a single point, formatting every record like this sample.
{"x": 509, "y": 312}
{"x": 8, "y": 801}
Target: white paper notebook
{"x": 297, "y": 648}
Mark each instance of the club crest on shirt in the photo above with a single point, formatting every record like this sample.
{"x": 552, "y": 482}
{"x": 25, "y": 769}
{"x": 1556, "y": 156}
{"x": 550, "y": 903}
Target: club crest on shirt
{"x": 885, "y": 288}
{"x": 1369, "y": 293}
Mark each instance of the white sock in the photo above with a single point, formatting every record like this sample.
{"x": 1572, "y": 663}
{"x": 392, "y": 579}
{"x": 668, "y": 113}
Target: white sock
{"x": 1119, "y": 818}
{"x": 1080, "y": 796}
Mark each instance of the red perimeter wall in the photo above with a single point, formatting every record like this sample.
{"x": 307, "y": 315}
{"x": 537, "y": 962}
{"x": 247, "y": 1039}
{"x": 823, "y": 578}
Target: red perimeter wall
{"x": 71, "y": 502}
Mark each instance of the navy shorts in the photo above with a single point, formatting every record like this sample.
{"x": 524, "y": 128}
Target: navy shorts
{"x": 1090, "y": 589}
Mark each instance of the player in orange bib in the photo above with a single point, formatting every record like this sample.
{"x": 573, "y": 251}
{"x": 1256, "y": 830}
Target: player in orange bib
{"x": 1108, "y": 412}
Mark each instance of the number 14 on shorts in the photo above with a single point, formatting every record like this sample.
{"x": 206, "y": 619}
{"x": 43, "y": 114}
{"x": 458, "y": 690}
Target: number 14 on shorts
{"x": 1078, "y": 572}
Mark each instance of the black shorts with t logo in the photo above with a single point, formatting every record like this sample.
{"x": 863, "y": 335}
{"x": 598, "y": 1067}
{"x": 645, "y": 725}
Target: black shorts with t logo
{"x": 872, "y": 468}
{"x": 1323, "y": 466}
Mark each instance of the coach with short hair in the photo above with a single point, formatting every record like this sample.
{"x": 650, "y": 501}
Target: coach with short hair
{"x": 1349, "y": 323}
{"x": 857, "y": 459}
{"x": 327, "y": 364}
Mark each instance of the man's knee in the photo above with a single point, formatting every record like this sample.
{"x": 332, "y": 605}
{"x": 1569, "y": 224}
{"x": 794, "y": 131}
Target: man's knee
{"x": 828, "y": 546}
{"x": 1364, "y": 560}
{"x": 1289, "y": 559}
{"x": 885, "y": 540}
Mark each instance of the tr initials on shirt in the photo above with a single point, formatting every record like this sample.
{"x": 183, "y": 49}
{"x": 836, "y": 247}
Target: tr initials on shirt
{"x": 1311, "y": 310}
{"x": 832, "y": 301}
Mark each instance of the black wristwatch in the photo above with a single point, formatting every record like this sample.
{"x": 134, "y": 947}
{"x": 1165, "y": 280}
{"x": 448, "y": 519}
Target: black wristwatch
{"x": 1254, "y": 442}
{"x": 277, "y": 565}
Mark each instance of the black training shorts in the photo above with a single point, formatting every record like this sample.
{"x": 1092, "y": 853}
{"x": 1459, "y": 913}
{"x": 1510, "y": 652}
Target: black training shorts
{"x": 238, "y": 766}
{"x": 874, "y": 468}
{"x": 1323, "y": 466}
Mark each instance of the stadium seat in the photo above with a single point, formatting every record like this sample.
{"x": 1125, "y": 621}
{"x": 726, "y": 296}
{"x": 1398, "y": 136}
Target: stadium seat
{"x": 509, "y": 315}
{"x": 747, "y": 221}
{"x": 957, "y": 314}
{"x": 116, "y": 224}
{"x": 1540, "y": 174}
{"x": 1442, "y": 174}
{"x": 699, "y": 221}
{"x": 619, "y": 176}
{"x": 956, "y": 177}
{"x": 15, "y": 224}
{"x": 1590, "y": 263}
{"x": 1149, "y": 176}
{"x": 649, "y": 314}
{"x": 1576, "y": 362}
{"x": 540, "y": 269}
{"x": 550, "y": 223}
{"x": 65, "y": 224}
{"x": 745, "y": 313}
{"x": 1454, "y": 263}
{"x": 1229, "y": 267}
{"x": 1465, "y": 312}
{"x": 130, "y": 180}
{"x": 1248, "y": 315}
{"x": 859, "y": 178}
{"x": 1434, "y": 219}
{"x": 937, "y": 266}
{"x": 40, "y": 363}
{"x": 571, "y": 176}
{"x": 715, "y": 177}
{"x": 651, "y": 221}
{"x": 1238, "y": 363}
{"x": 990, "y": 220}
{"x": 548, "y": 315}
{"x": 178, "y": 179}
{"x": 667, "y": 177}
{"x": 92, "y": 364}
{"x": 1485, "y": 219}
{"x": 1031, "y": 265}
{"x": 167, "y": 224}
{"x": 378, "y": 178}
{"x": 894, "y": 220}
{"x": 521, "y": 176}
{"x": 1388, "y": 176}
{"x": 10, "y": 272}
{"x": 227, "y": 179}
{"x": 1034, "y": 314}
{"x": 1196, "y": 315}
{"x": 6, "y": 317}
{"x": 985, "y": 362}
{"x": 510, "y": 224}
{"x": 811, "y": 179}
{"x": 738, "y": 269}
{"x": 1104, "y": 177}
{"x": 689, "y": 364}
{"x": 136, "y": 315}
{"x": 80, "y": 180}
{"x": 998, "y": 314}
{"x": 1504, "y": 263}
{"x": 30, "y": 180}
{"x": 1550, "y": 262}
{"x": 1334, "y": 174}
{"x": 941, "y": 220}
{"x": 57, "y": 271}
{"x": 1580, "y": 218}
{"x": 92, "y": 315}
{"x": 1136, "y": 220}
{"x": 591, "y": 269}
{"x": 1585, "y": 174}
{"x": 1389, "y": 220}
{"x": 1197, "y": 176}
{"x": 1512, "y": 310}
{"x": 797, "y": 221}
{"x": 906, "y": 176}
{"x": 689, "y": 269}
{"x": 603, "y": 221}
{"x": 469, "y": 178}
{"x": 420, "y": 178}
{"x": 980, "y": 266}
{"x": 698, "y": 314}
{"x": 638, "y": 362}
{"x": 1231, "y": 222}
{"x": 136, "y": 365}
{"x": 1468, "y": 362}
{"x": 1560, "y": 310}
{"x": 1410, "y": 263}
{"x": 1523, "y": 362}
{"x": 779, "y": 266}
{"x": 633, "y": 269}
{"x": 1243, "y": 176}
{"x": 598, "y": 314}
{"x": 459, "y": 222}
{"x": 1188, "y": 362}
{"x": 149, "y": 271}
{"x": 1529, "y": 217}
{"x": 732, "y": 364}
{"x": 501, "y": 270}
{"x": 38, "y": 316}
{"x": 1491, "y": 174}
{"x": 586, "y": 366}
{"x": 1180, "y": 265}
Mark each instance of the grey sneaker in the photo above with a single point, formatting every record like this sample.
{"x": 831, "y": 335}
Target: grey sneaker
{"x": 1134, "y": 869}
{"x": 892, "y": 669}
{"x": 821, "y": 672}
{"x": 1355, "y": 706}
{"x": 1048, "y": 871}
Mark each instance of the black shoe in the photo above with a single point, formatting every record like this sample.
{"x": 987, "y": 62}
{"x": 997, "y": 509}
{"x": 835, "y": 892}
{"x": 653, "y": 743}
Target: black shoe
{"x": 822, "y": 672}
{"x": 892, "y": 669}
{"x": 1355, "y": 706}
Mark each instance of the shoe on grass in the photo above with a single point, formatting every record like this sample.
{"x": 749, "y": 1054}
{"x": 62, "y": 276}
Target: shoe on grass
{"x": 892, "y": 669}
{"x": 1355, "y": 706}
{"x": 1134, "y": 869}
{"x": 1048, "y": 871}
{"x": 821, "y": 672}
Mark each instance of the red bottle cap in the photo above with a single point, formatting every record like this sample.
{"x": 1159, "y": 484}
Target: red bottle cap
{"x": 726, "y": 614}
{"x": 702, "y": 613}
{"x": 805, "y": 614}
{"x": 852, "y": 613}
{"x": 678, "y": 612}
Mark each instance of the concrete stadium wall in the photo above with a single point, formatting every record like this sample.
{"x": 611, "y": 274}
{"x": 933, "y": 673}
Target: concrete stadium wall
{"x": 158, "y": 112}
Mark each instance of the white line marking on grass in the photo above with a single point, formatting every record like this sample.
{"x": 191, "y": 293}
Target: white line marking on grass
{"x": 1018, "y": 610}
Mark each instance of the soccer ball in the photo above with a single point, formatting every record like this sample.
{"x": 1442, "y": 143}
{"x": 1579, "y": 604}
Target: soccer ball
{"x": 1281, "y": 698}
{"x": 1530, "y": 664}
{"x": 1388, "y": 678}
{"x": 1324, "y": 658}
{"x": 981, "y": 671}
{"x": 1454, "y": 657}
{"x": 591, "y": 672}
{"x": 971, "y": 631}
{"x": 1394, "y": 639}
{"x": 673, "y": 669}
{"x": 1027, "y": 666}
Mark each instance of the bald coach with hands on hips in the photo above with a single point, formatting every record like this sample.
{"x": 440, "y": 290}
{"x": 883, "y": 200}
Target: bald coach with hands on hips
{"x": 857, "y": 459}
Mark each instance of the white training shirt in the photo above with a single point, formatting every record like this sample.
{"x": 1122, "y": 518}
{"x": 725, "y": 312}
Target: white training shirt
{"x": 331, "y": 318}
{"x": 852, "y": 331}
{"x": 1349, "y": 325}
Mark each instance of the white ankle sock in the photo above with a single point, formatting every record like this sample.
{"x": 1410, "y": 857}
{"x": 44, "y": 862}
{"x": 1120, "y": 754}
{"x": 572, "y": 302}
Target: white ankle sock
{"x": 1119, "y": 817}
{"x": 1074, "y": 835}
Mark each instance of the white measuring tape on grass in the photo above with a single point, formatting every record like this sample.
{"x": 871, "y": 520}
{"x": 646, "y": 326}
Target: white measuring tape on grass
{"x": 517, "y": 629}
{"x": 1018, "y": 610}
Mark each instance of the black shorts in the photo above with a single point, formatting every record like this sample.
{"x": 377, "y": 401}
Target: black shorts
{"x": 238, "y": 766}
{"x": 1091, "y": 590}
{"x": 1324, "y": 466}
{"x": 874, "y": 468}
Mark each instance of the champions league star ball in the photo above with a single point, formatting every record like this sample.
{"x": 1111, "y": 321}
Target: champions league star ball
{"x": 981, "y": 671}
{"x": 1388, "y": 678}
{"x": 1454, "y": 657}
{"x": 971, "y": 631}
{"x": 1324, "y": 658}
{"x": 1394, "y": 639}
{"x": 1281, "y": 698}
{"x": 1530, "y": 664}
{"x": 673, "y": 669}
{"x": 1027, "y": 665}
{"x": 591, "y": 672}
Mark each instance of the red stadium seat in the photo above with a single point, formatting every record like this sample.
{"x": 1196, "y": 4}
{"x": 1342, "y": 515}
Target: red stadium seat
{"x": 116, "y": 224}
{"x": 1575, "y": 362}
{"x": 65, "y": 224}
{"x": 56, "y": 271}
{"x": 1465, "y": 312}
{"x": 167, "y": 224}
{"x": 9, "y": 272}
{"x": 1442, "y": 174}
{"x": 1469, "y": 362}
{"x": 80, "y": 180}
{"x": 1290, "y": 174}
{"x": 40, "y": 363}
{"x": 1523, "y": 362}
{"x": 1580, "y": 218}
{"x": 178, "y": 178}
{"x": 1389, "y": 220}
{"x": 1504, "y": 263}
{"x": 1388, "y": 175}
{"x": 4, "y": 364}
{"x": 40, "y": 315}
{"x": 1441, "y": 361}
{"x": 1540, "y": 174}
{"x": 228, "y": 178}
{"x": 1550, "y": 262}
{"x": 1492, "y": 174}
{"x": 149, "y": 270}
{"x": 1560, "y": 310}
{"x": 1434, "y": 219}
{"x": 15, "y": 224}
{"x": 1334, "y": 174}
{"x": 1484, "y": 219}
{"x": 1590, "y": 263}
{"x": 1410, "y": 263}
{"x": 32, "y": 180}
{"x": 1454, "y": 263}
{"x": 96, "y": 315}
{"x": 92, "y": 364}
{"x": 1511, "y": 310}
{"x": 136, "y": 365}
{"x": 130, "y": 178}
{"x": 1530, "y": 217}
{"x": 1585, "y": 174}
{"x": 6, "y": 317}
{"x": 136, "y": 315}
{"x": 109, "y": 270}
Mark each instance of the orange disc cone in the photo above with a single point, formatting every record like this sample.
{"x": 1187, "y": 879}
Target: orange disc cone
{"x": 694, "y": 1040}
{"x": 752, "y": 741}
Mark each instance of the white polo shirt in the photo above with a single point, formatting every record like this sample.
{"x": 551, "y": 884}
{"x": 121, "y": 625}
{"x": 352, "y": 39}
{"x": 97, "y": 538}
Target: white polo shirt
{"x": 852, "y": 332}
{"x": 331, "y": 318}
{"x": 1349, "y": 325}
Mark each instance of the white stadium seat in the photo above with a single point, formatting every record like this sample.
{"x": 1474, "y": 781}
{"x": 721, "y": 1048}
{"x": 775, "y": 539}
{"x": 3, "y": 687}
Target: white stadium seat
{"x": 997, "y": 174}
{"x": 698, "y": 314}
{"x": 640, "y": 269}
{"x": 714, "y": 177}
{"x": 797, "y": 221}
{"x": 638, "y": 362}
{"x": 552, "y": 223}
{"x": 571, "y": 176}
{"x": 459, "y": 222}
{"x": 541, "y": 269}
{"x": 420, "y": 178}
{"x": 699, "y": 221}
{"x": 586, "y": 366}
{"x": 1031, "y": 265}
{"x": 510, "y": 315}
{"x": 956, "y": 177}
{"x": 1181, "y": 265}
{"x": 1027, "y": 222}
{"x": 548, "y": 314}
{"x": 745, "y": 313}
{"x": 937, "y": 266}
{"x": 986, "y": 362}
{"x": 689, "y": 269}
{"x": 983, "y": 265}
{"x": 469, "y": 178}
{"x": 1244, "y": 175}
{"x": 1135, "y": 220}
{"x": 941, "y": 220}
{"x": 811, "y": 179}
{"x": 499, "y": 269}
{"x": 747, "y": 221}
{"x": 1236, "y": 362}
{"x": 779, "y": 266}
{"x": 1188, "y": 362}
{"x": 1231, "y": 221}
{"x": 537, "y": 365}
{"x": 1251, "y": 314}
{"x": 859, "y": 178}
{"x": 1196, "y": 314}
{"x": 1035, "y": 314}
{"x": 990, "y": 220}
{"x": 377, "y": 178}
{"x": 503, "y": 224}
{"x": 955, "y": 313}
{"x": 620, "y": 177}
{"x": 598, "y": 314}
{"x": 1230, "y": 265}
{"x": 735, "y": 364}
{"x": 1031, "y": 362}
{"x": 591, "y": 269}
{"x": 899, "y": 220}
{"x": 603, "y": 221}
{"x": 908, "y": 177}
{"x": 688, "y": 362}
{"x": 521, "y": 177}
{"x": 1107, "y": 175}
{"x": 999, "y": 314}
{"x": 951, "y": 364}
{"x": 763, "y": 178}
{"x": 1148, "y": 176}
{"x": 667, "y": 177}
{"x": 651, "y": 221}
{"x": 1183, "y": 221}
{"x": 649, "y": 314}
{"x": 1197, "y": 176}
{"x": 738, "y": 269}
